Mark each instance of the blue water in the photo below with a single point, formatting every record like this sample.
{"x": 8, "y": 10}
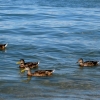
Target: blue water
{"x": 56, "y": 33}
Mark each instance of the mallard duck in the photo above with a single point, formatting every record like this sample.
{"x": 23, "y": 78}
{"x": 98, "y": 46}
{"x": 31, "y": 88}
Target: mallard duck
{"x": 87, "y": 63}
{"x": 38, "y": 72}
{"x": 24, "y": 64}
{"x": 3, "y": 46}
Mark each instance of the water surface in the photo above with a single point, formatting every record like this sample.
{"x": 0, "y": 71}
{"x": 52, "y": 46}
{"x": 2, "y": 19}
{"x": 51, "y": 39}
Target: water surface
{"x": 56, "y": 33}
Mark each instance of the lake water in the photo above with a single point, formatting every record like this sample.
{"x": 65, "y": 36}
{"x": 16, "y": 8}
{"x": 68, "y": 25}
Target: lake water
{"x": 56, "y": 33}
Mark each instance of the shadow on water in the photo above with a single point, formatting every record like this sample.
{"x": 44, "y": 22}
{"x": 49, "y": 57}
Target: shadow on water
{"x": 4, "y": 50}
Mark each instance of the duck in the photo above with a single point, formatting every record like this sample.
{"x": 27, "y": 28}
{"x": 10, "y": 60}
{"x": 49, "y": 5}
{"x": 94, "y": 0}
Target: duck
{"x": 3, "y": 46}
{"x": 38, "y": 72}
{"x": 23, "y": 64}
{"x": 87, "y": 63}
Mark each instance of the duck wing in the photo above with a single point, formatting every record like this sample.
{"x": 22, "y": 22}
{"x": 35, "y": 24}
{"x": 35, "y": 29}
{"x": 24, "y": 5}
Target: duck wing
{"x": 44, "y": 71}
{"x": 31, "y": 64}
{"x": 91, "y": 63}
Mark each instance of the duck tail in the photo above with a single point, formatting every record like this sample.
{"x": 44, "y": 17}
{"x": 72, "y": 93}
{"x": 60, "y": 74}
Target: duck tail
{"x": 38, "y": 62}
{"x": 6, "y": 45}
{"x": 98, "y": 62}
{"x": 53, "y": 70}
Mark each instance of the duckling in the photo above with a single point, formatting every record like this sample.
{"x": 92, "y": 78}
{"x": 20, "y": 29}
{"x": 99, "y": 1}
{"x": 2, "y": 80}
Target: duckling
{"x": 24, "y": 64}
{"x": 3, "y": 46}
{"x": 38, "y": 72}
{"x": 87, "y": 63}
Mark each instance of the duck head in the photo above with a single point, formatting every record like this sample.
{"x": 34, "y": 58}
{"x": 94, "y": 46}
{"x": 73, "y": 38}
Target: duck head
{"x": 80, "y": 61}
{"x": 21, "y": 62}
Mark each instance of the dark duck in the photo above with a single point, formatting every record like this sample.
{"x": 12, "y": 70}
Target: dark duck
{"x": 3, "y": 46}
{"x": 23, "y": 64}
{"x": 87, "y": 63}
{"x": 38, "y": 72}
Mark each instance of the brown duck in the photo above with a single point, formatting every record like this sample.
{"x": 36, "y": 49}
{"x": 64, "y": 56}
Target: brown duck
{"x": 3, "y": 46}
{"x": 23, "y": 64}
{"x": 38, "y": 72}
{"x": 87, "y": 63}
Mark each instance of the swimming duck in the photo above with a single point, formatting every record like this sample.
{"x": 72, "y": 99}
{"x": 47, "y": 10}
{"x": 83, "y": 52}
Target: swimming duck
{"x": 24, "y": 64}
{"x": 3, "y": 46}
{"x": 38, "y": 72}
{"x": 87, "y": 63}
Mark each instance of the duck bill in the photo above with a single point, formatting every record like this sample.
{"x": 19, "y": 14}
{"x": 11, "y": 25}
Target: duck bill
{"x": 23, "y": 70}
{"x": 17, "y": 62}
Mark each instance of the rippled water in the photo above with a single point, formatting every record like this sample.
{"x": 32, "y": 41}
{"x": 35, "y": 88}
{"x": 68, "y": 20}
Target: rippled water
{"x": 56, "y": 33}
